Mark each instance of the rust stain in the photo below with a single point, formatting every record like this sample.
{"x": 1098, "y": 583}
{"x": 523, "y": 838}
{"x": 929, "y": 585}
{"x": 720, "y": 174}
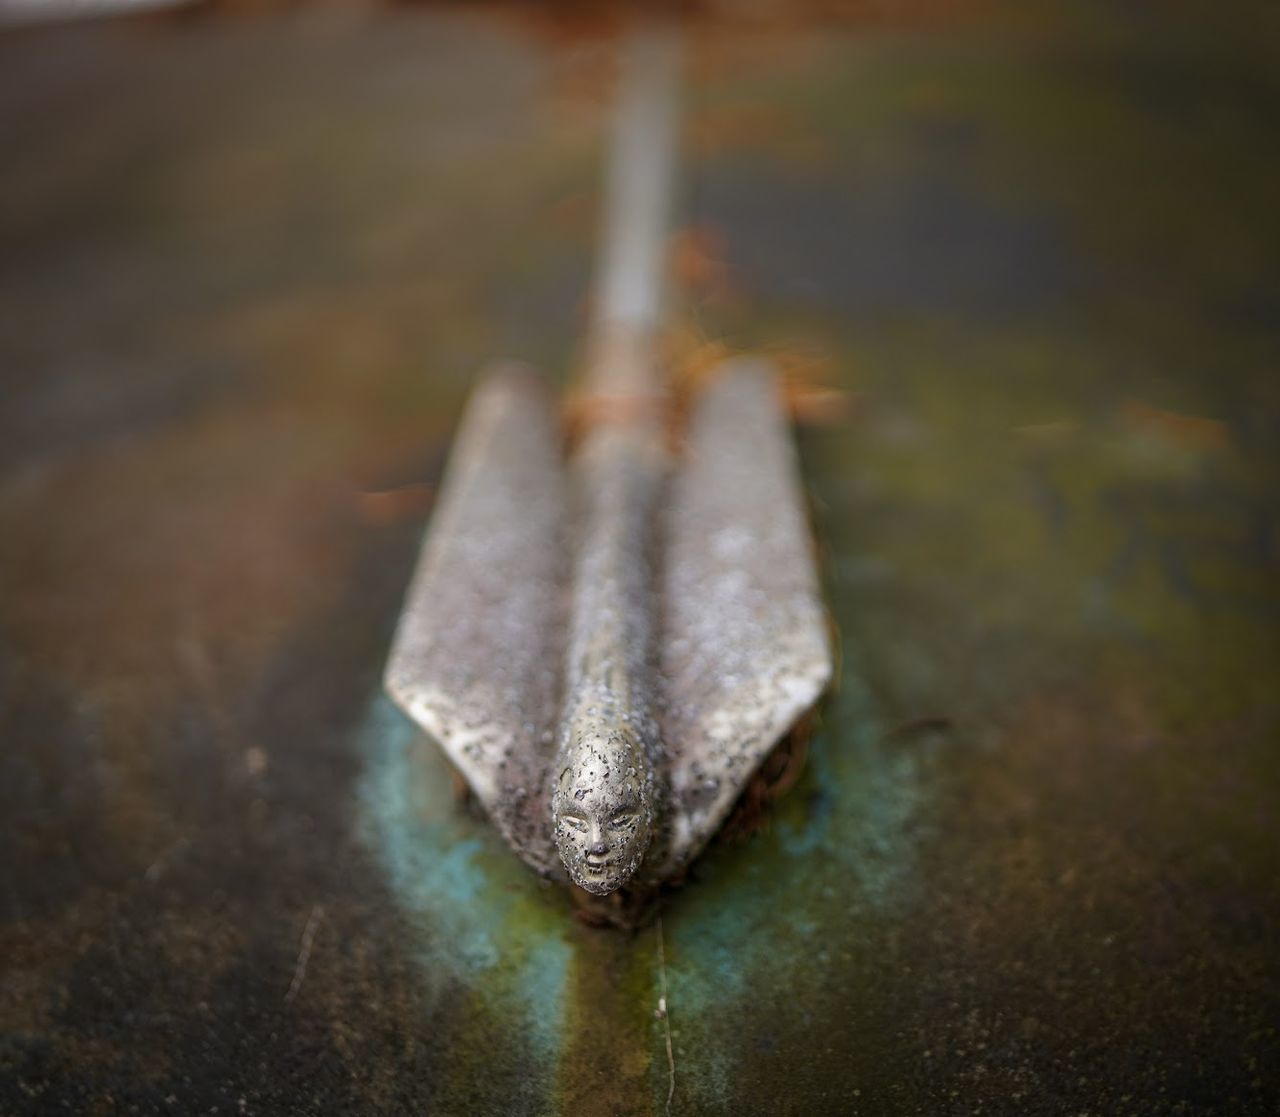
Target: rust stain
{"x": 1190, "y": 432}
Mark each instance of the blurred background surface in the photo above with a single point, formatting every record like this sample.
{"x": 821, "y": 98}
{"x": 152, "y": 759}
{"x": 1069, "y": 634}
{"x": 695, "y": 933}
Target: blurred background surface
{"x": 252, "y": 256}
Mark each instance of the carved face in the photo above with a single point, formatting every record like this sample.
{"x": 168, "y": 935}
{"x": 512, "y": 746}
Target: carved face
{"x": 602, "y": 816}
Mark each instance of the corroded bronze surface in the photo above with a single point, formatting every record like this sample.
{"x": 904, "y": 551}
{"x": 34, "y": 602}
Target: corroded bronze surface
{"x": 1029, "y": 867}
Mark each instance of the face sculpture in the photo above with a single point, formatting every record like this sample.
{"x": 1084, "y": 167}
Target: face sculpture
{"x": 602, "y": 812}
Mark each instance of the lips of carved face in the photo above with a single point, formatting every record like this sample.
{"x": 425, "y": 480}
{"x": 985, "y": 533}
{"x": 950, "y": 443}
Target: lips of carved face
{"x": 601, "y": 836}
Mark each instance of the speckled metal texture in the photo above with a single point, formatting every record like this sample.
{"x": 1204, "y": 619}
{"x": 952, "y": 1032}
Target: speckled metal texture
{"x": 744, "y": 648}
{"x": 476, "y": 658}
{"x": 610, "y": 767}
{"x": 695, "y": 635}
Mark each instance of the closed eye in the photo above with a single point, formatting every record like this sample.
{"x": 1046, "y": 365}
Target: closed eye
{"x": 575, "y": 823}
{"x": 622, "y": 818}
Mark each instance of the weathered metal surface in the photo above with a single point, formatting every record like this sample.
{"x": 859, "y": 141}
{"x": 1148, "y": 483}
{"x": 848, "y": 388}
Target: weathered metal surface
{"x": 652, "y": 589}
{"x": 1030, "y": 867}
{"x": 611, "y": 768}
{"x": 744, "y": 650}
{"x": 685, "y": 581}
{"x": 477, "y": 659}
